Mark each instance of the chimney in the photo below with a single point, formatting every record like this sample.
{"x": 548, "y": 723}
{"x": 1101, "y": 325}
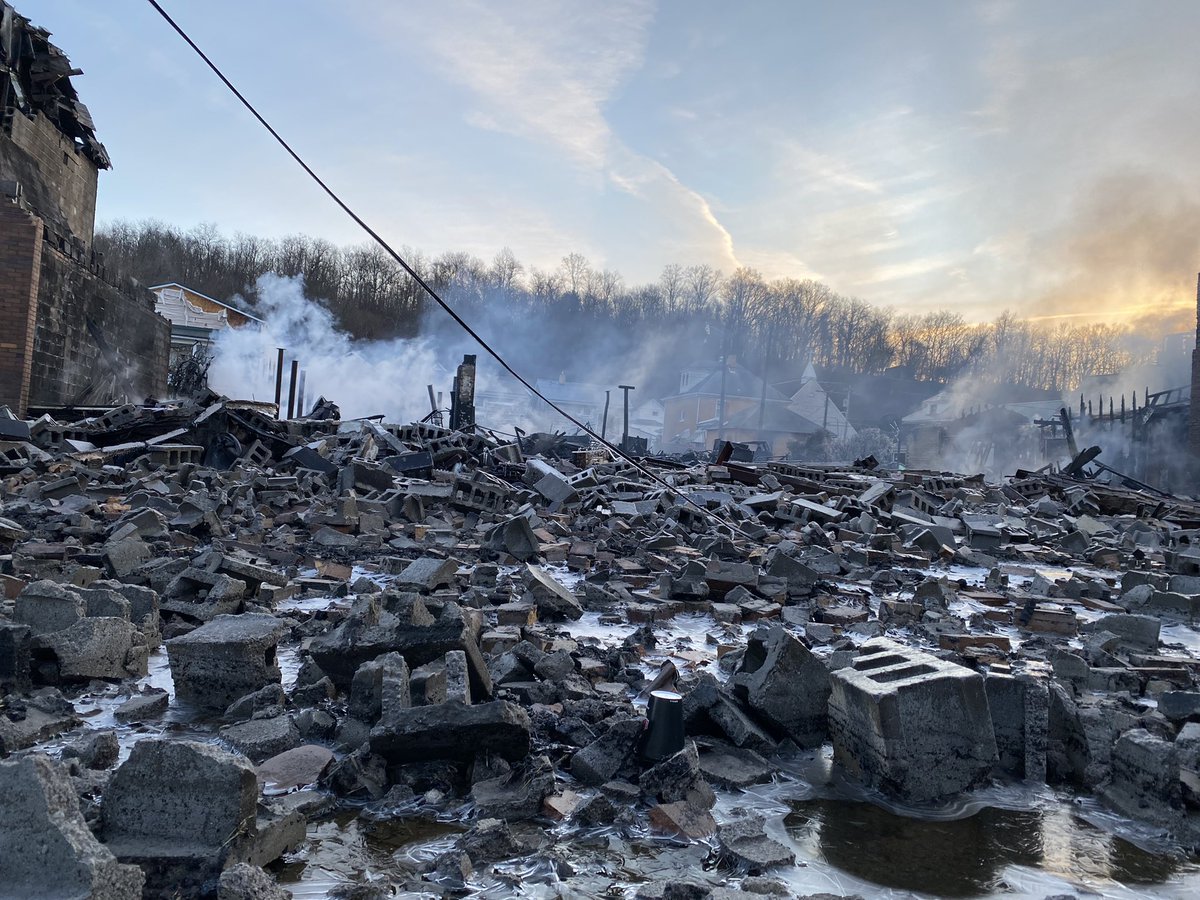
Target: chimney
{"x": 562, "y": 375}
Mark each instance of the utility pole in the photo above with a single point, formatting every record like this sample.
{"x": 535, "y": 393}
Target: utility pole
{"x": 721, "y": 406}
{"x": 762, "y": 400}
{"x": 626, "y": 388}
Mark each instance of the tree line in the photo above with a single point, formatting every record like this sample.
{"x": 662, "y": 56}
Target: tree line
{"x": 773, "y": 325}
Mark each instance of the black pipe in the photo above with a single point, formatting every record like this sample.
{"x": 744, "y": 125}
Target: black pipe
{"x": 626, "y": 388}
{"x": 292, "y": 389}
{"x": 278, "y": 381}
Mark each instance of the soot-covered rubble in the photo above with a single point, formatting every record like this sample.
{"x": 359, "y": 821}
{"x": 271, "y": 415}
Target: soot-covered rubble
{"x": 218, "y": 626}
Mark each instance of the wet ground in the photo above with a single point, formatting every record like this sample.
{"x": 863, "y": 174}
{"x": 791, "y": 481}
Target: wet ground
{"x": 1002, "y": 841}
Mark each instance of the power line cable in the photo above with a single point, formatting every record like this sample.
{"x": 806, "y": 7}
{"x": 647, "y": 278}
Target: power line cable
{"x": 425, "y": 286}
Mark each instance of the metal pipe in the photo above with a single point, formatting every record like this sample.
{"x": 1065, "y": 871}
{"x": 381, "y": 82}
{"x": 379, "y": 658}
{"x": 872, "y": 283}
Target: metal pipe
{"x": 604, "y": 424}
{"x": 300, "y": 395}
{"x": 626, "y": 388}
{"x": 278, "y": 381}
{"x": 292, "y": 388}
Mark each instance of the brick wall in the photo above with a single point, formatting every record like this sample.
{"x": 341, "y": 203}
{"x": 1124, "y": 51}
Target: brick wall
{"x": 95, "y": 344}
{"x": 1194, "y": 411}
{"x": 20, "y": 251}
{"x": 58, "y": 183}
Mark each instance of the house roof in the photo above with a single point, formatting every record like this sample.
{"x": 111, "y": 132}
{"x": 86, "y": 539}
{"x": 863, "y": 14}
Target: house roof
{"x": 739, "y": 382}
{"x": 964, "y": 398}
{"x": 575, "y": 392}
{"x": 875, "y": 401}
{"x": 777, "y": 419}
{"x": 184, "y": 287}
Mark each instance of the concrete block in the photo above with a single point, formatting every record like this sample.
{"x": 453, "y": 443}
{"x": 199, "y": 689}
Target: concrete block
{"x": 224, "y": 660}
{"x": 46, "y": 848}
{"x": 183, "y": 811}
{"x": 910, "y": 724}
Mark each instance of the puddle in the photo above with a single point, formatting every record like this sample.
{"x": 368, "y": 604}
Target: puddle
{"x": 976, "y": 856}
{"x": 352, "y": 848}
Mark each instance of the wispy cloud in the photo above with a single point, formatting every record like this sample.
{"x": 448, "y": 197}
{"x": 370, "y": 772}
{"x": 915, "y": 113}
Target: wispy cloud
{"x": 544, "y": 71}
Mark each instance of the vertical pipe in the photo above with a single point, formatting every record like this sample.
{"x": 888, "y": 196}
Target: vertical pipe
{"x": 292, "y": 389}
{"x": 278, "y": 381}
{"x": 625, "y": 389}
{"x": 300, "y": 395}
{"x": 604, "y": 423}
{"x": 721, "y": 407}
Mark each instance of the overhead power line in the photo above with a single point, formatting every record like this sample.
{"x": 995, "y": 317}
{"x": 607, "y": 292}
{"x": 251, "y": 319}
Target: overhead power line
{"x": 425, "y": 286}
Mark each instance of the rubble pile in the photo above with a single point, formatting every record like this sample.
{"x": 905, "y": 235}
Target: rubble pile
{"x": 218, "y": 626}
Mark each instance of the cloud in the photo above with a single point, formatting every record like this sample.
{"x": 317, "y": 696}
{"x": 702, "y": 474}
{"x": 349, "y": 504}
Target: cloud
{"x": 544, "y": 72}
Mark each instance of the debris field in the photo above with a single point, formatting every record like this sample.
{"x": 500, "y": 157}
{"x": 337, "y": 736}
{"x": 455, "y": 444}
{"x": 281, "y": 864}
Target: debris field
{"x": 224, "y": 637}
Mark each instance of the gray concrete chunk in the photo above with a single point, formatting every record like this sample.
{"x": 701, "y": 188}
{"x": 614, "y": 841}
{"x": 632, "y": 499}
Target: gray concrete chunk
{"x": 911, "y": 724}
{"x": 226, "y": 659}
{"x": 46, "y": 848}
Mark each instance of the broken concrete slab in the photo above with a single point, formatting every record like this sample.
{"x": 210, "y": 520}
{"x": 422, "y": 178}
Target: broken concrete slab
{"x": 514, "y": 537}
{"x": 38, "y": 717}
{"x": 683, "y": 819}
{"x": 246, "y": 882}
{"x": 183, "y": 810}
{"x": 46, "y": 607}
{"x": 1137, "y": 631}
{"x": 225, "y": 659}
{"x": 785, "y": 683}
{"x": 517, "y": 795}
{"x": 143, "y": 707}
{"x": 260, "y": 739}
{"x": 427, "y": 574}
{"x": 602, "y": 759}
{"x": 295, "y": 768}
{"x": 746, "y": 843}
{"x": 104, "y": 648}
{"x": 416, "y": 628}
{"x": 554, "y": 600}
{"x": 46, "y": 848}
{"x": 454, "y": 731}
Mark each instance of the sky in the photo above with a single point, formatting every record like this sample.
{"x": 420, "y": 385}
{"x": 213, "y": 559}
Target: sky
{"x": 975, "y": 156}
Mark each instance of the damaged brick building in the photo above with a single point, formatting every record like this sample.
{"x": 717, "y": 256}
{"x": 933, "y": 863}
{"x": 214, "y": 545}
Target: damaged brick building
{"x": 69, "y": 335}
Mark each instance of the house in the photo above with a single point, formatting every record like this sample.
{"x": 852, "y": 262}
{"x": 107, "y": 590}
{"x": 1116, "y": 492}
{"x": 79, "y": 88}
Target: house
{"x": 753, "y": 411}
{"x": 977, "y": 426}
{"x": 583, "y": 401}
{"x": 812, "y": 400}
{"x": 196, "y": 319}
{"x": 646, "y": 421}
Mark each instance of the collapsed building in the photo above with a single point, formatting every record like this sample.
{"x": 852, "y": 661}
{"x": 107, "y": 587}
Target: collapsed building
{"x": 526, "y": 641}
{"x": 70, "y": 335}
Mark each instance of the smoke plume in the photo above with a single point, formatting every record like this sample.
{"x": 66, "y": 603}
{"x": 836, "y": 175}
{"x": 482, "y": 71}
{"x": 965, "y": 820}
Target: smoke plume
{"x": 363, "y": 377}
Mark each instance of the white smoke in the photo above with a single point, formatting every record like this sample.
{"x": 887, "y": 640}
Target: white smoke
{"x": 364, "y": 378}
{"x": 390, "y": 378}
